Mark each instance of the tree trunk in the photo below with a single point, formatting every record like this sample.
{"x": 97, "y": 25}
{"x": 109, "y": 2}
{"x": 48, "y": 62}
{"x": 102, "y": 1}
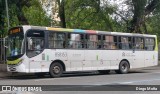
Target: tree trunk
{"x": 62, "y": 13}
{"x": 2, "y": 17}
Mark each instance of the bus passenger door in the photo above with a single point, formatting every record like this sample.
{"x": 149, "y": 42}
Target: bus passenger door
{"x": 34, "y": 49}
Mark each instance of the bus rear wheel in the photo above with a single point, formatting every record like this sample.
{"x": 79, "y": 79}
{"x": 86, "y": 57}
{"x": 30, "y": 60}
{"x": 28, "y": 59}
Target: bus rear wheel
{"x": 123, "y": 67}
{"x": 56, "y": 70}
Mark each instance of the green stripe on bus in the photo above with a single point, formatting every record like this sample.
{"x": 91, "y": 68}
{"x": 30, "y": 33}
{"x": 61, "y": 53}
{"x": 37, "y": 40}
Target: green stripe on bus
{"x": 97, "y": 57}
{"x": 14, "y": 61}
{"x": 156, "y": 48}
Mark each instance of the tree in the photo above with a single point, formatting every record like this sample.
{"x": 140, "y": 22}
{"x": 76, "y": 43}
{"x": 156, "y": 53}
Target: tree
{"x": 82, "y": 14}
{"x": 61, "y": 4}
{"x": 142, "y": 9}
{"x": 36, "y": 15}
{"x": 89, "y": 15}
{"x": 139, "y": 12}
{"x": 2, "y": 17}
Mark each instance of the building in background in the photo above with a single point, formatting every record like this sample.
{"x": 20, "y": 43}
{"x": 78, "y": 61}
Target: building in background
{"x": 52, "y": 9}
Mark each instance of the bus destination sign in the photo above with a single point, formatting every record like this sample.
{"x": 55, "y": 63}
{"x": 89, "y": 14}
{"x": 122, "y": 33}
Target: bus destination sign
{"x": 15, "y": 30}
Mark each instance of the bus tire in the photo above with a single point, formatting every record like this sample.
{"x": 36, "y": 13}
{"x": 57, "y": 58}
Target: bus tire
{"x": 104, "y": 71}
{"x": 123, "y": 67}
{"x": 56, "y": 70}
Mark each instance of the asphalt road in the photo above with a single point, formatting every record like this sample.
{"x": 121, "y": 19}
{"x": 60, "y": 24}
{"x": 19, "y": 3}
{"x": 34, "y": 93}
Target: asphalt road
{"x": 92, "y": 82}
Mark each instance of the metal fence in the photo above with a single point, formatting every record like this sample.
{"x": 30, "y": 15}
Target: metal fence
{"x": 2, "y": 51}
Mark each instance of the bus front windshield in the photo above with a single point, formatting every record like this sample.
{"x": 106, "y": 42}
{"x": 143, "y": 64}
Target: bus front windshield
{"x": 16, "y": 45}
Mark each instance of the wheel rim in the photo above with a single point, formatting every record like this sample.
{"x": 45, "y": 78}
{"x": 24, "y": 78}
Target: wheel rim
{"x": 124, "y": 67}
{"x": 56, "y": 69}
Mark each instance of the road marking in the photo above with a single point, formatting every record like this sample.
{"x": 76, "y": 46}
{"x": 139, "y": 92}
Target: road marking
{"x": 142, "y": 81}
{"x": 130, "y": 82}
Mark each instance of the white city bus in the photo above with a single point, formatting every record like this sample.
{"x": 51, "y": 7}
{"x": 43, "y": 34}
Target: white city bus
{"x": 34, "y": 49}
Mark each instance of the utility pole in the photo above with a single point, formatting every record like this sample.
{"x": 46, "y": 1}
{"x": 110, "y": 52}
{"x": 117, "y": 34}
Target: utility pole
{"x": 7, "y": 14}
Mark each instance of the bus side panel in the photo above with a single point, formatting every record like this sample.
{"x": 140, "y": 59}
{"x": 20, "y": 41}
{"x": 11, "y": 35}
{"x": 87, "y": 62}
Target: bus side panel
{"x": 57, "y": 54}
{"x": 96, "y": 60}
{"x": 75, "y": 59}
{"x": 111, "y": 56}
{"x": 102, "y": 59}
{"x": 151, "y": 58}
{"x": 138, "y": 59}
{"x": 35, "y": 64}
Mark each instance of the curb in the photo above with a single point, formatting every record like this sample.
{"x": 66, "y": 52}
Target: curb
{"x": 5, "y": 74}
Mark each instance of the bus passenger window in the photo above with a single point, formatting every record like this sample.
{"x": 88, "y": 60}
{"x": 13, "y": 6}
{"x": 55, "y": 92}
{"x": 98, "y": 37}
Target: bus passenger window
{"x": 74, "y": 41}
{"x": 59, "y": 40}
{"x": 92, "y": 41}
{"x": 149, "y": 44}
{"x": 106, "y": 42}
{"x": 109, "y": 42}
{"x": 51, "y": 40}
{"x": 114, "y": 43}
{"x": 138, "y": 43}
{"x": 125, "y": 43}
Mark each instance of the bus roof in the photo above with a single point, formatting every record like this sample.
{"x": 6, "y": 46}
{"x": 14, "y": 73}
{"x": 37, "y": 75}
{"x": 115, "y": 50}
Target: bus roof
{"x": 86, "y": 31}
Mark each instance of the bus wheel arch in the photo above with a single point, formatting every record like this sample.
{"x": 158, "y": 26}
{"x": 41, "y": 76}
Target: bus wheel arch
{"x": 124, "y": 67}
{"x": 56, "y": 69}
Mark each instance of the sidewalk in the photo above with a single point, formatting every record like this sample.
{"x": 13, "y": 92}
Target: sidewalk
{"x": 4, "y": 73}
{"x": 3, "y": 70}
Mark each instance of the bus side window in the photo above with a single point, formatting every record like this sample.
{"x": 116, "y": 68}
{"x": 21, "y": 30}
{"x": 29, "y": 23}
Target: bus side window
{"x": 125, "y": 43}
{"x": 75, "y": 41}
{"x": 149, "y": 44}
{"x": 114, "y": 43}
{"x": 51, "y": 40}
{"x": 106, "y": 42}
{"x": 138, "y": 43}
{"x": 92, "y": 41}
{"x": 59, "y": 40}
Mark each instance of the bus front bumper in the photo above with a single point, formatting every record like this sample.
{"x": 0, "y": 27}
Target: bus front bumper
{"x": 16, "y": 68}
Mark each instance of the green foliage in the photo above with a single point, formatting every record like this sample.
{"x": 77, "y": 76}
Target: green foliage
{"x": 93, "y": 14}
{"x": 2, "y": 17}
{"x": 153, "y": 25}
{"x": 36, "y": 15}
{"x": 19, "y": 10}
{"x": 89, "y": 15}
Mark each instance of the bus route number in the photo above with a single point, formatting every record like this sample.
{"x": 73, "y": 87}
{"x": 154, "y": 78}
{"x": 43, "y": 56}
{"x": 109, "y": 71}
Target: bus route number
{"x": 61, "y": 54}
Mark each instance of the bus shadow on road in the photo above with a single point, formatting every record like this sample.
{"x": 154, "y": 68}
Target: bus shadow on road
{"x": 68, "y": 74}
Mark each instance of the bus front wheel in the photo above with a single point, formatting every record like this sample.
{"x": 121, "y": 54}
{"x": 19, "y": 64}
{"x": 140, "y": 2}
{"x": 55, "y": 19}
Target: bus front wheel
{"x": 56, "y": 70}
{"x": 123, "y": 67}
